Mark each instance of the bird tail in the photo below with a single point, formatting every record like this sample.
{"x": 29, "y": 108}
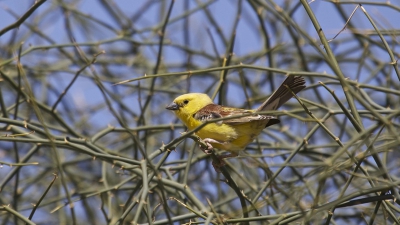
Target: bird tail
{"x": 283, "y": 93}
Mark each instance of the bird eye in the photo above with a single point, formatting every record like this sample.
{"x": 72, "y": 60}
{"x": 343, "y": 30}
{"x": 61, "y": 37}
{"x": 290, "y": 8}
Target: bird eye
{"x": 186, "y": 102}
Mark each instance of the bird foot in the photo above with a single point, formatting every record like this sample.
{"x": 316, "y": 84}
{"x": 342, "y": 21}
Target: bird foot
{"x": 217, "y": 164}
{"x": 209, "y": 148}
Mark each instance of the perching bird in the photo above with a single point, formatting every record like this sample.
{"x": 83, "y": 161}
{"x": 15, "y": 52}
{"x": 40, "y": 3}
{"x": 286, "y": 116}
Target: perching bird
{"x": 235, "y": 134}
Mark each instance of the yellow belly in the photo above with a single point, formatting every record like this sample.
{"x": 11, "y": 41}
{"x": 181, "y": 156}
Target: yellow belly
{"x": 234, "y": 137}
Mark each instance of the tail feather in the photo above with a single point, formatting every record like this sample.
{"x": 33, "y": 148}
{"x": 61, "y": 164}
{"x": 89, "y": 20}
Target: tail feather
{"x": 283, "y": 93}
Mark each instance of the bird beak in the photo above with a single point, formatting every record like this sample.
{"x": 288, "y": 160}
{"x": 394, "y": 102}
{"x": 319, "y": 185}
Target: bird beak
{"x": 173, "y": 106}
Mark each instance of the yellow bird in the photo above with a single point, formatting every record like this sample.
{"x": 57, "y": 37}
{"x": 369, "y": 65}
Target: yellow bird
{"x": 232, "y": 135}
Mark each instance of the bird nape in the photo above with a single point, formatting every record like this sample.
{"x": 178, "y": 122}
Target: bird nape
{"x": 231, "y": 134}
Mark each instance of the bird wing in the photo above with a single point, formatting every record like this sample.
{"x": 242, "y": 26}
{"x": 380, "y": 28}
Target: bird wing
{"x": 214, "y": 111}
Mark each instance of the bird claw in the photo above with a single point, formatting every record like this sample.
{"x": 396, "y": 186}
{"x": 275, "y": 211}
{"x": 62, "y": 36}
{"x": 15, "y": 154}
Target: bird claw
{"x": 208, "y": 150}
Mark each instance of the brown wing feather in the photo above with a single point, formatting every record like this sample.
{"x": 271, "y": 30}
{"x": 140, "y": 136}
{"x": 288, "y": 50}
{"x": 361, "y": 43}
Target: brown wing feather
{"x": 208, "y": 112}
{"x": 214, "y": 111}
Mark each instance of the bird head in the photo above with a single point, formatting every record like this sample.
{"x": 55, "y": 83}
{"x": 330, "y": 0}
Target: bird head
{"x": 188, "y": 104}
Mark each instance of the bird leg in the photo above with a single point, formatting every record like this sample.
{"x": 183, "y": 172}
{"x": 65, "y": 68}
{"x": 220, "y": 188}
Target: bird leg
{"x": 208, "y": 142}
{"x": 216, "y": 164}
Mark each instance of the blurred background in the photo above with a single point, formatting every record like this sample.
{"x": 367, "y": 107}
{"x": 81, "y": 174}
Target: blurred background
{"x": 75, "y": 148}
